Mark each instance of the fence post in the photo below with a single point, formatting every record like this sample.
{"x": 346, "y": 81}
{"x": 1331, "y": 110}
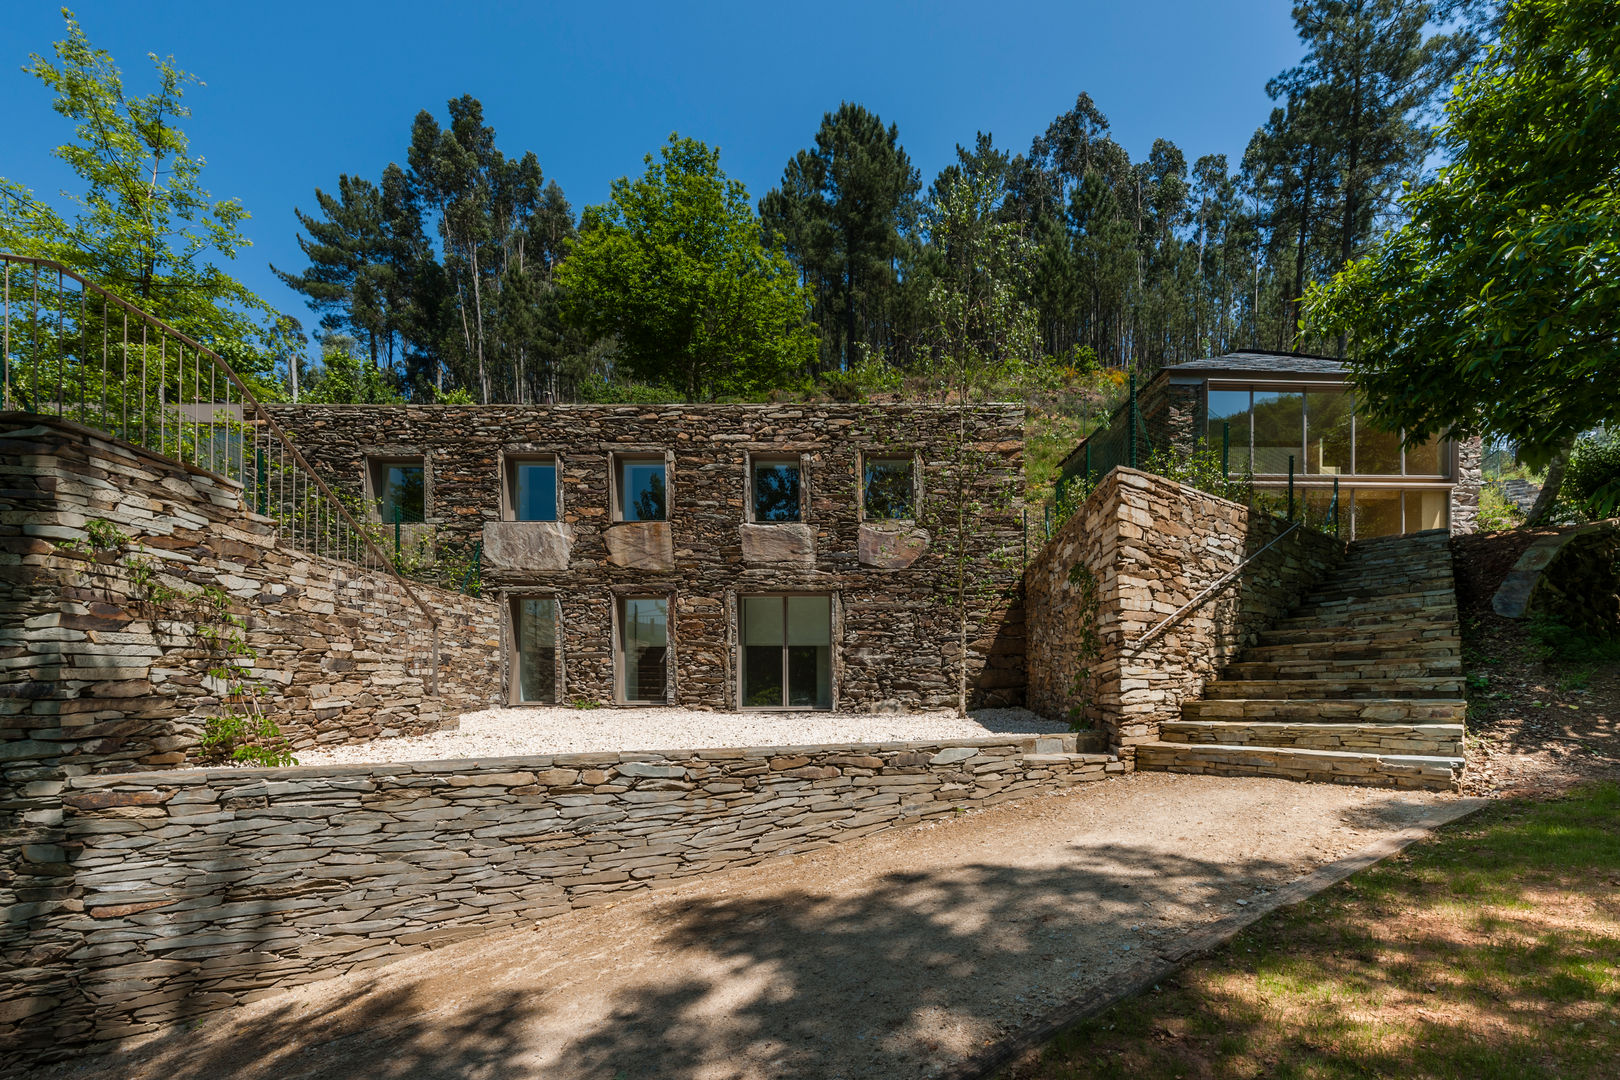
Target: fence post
{"x": 1088, "y": 459}
{"x": 264, "y": 480}
{"x": 1226, "y": 448}
{"x": 1131, "y": 420}
{"x": 1335, "y": 508}
{"x": 397, "y": 559}
{"x": 1290, "y": 487}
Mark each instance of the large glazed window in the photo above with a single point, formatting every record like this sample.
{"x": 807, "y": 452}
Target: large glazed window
{"x": 643, "y": 649}
{"x": 1328, "y": 421}
{"x": 1378, "y": 452}
{"x": 1228, "y": 428}
{"x": 889, "y": 490}
{"x": 641, "y": 483}
{"x": 534, "y": 647}
{"x": 531, "y": 488}
{"x": 775, "y": 484}
{"x": 786, "y": 652}
{"x": 1279, "y": 430}
{"x": 400, "y": 488}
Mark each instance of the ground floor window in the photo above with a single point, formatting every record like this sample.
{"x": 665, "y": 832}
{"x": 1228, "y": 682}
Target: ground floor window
{"x": 643, "y": 650}
{"x": 786, "y": 652}
{"x": 1366, "y": 512}
{"x": 534, "y": 648}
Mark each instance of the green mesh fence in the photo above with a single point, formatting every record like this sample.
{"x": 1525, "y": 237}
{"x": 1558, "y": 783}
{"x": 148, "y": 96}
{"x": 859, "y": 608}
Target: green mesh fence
{"x": 1122, "y": 440}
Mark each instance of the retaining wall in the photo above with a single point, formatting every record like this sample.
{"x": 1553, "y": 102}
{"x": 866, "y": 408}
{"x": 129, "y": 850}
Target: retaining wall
{"x": 188, "y": 891}
{"x": 1151, "y": 545}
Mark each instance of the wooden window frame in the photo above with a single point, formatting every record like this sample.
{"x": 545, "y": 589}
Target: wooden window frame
{"x": 510, "y": 460}
{"x": 615, "y": 502}
{"x": 514, "y": 680}
{"x": 372, "y": 459}
{"x": 832, "y": 651}
{"x": 620, "y": 661}
{"x": 767, "y": 457}
{"x": 865, "y": 456}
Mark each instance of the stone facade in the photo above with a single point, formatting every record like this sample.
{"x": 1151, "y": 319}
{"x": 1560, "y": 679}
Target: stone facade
{"x": 896, "y": 623}
{"x": 1151, "y": 545}
{"x": 188, "y": 891}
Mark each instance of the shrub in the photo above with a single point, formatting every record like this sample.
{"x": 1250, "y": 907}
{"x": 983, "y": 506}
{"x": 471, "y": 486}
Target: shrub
{"x": 1592, "y": 479}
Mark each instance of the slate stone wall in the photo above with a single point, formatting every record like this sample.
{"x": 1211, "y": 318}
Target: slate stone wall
{"x": 188, "y": 891}
{"x": 896, "y": 625}
{"x": 1150, "y": 545}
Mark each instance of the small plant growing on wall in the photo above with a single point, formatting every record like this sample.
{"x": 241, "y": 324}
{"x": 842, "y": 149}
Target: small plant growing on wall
{"x": 238, "y": 730}
{"x": 1088, "y": 645}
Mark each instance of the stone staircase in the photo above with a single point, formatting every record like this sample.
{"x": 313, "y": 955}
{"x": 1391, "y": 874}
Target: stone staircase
{"x": 1361, "y": 684}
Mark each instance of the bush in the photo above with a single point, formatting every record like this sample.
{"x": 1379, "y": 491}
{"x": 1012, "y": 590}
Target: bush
{"x": 1592, "y": 479}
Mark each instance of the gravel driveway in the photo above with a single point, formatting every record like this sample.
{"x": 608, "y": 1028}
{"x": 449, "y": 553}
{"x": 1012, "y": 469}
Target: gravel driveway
{"x": 516, "y": 732}
{"x": 891, "y": 956}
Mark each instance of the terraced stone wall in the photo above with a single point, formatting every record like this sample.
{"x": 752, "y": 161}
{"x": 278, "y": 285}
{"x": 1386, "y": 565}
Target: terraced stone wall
{"x": 191, "y": 890}
{"x": 1150, "y": 545}
{"x": 896, "y": 622}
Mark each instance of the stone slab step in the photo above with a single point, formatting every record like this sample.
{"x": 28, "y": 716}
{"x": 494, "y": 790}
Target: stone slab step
{"x": 1377, "y": 617}
{"x": 1434, "y": 773}
{"x": 1368, "y": 588}
{"x": 1412, "y": 710}
{"x": 1424, "y": 648}
{"x": 1335, "y": 667}
{"x": 1351, "y": 636}
{"x": 1435, "y": 740}
{"x": 1414, "y": 600}
{"x": 1287, "y": 689}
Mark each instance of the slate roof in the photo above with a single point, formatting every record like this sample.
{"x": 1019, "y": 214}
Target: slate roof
{"x": 1260, "y": 363}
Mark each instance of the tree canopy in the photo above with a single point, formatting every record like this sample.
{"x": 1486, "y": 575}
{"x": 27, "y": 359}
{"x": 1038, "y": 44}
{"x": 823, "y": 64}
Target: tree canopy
{"x": 673, "y": 266}
{"x": 1497, "y": 305}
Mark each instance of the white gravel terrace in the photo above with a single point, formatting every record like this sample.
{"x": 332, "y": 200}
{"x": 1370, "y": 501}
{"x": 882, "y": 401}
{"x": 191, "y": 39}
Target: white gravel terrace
{"x": 524, "y": 731}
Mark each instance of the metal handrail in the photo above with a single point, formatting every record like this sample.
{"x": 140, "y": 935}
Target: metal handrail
{"x": 297, "y": 533}
{"x": 1219, "y": 583}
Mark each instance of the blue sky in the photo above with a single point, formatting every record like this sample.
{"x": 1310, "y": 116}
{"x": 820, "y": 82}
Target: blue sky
{"x": 299, "y": 92}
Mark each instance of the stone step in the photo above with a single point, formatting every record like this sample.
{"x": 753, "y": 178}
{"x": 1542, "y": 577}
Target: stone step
{"x": 1441, "y": 740}
{"x": 1431, "y": 772}
{"x": 1434, "y": 648}
{"x": 1413, "y": 710}
{"x": 1412, "y": 600}
{"x": 1375, "y": 617}
{"x": 1335, "y": 667}
{"x": 1410, "y": 632}
{"x": 1342, "y": 588}
{"x": 1320, "y": 689}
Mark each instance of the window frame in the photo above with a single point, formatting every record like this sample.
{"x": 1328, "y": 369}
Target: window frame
{"x": 386, "y": 457}
{"x": 510, "y": 461}
{"x": 750, "y": 510}
{"x": 867, "y": 456}
{"x": 514, "y": 689}
{"x": 742, "y": 655}
{"x": 615, "y": 496}
{"x": 620, "y": 661}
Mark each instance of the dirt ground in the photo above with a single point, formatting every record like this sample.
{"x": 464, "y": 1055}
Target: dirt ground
{"x": 1536, "y": 723}
{"x": 892, "y": 957}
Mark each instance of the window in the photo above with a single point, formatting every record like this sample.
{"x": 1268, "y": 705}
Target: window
{"x": 531, "y": 489}
{"x": 1378, "y": 452}
{"x": 643, "y": 649}
{"x": 399, "y": 486}
{"x": 534, "y": 648}
{"x": 786, "y": 652}
{"x": 1228, "y": 427}
{"x": 1328, "y": 418}
{"x": 1375, "y": 513}
{"x": 775, "y": 488}
{"x": 888, "y": 492}
{"x": 1279, "y": 430}
{"x": 1425, "y": 460}
{"x": 641, "y": 488}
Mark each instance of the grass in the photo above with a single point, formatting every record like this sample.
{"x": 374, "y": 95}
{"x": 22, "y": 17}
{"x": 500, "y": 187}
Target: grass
{"x": 1491, "y": 952}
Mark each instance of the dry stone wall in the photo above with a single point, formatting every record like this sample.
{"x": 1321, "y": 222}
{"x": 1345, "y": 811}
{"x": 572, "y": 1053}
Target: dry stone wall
{"x": 1150, "y": 545}
{"x": 896, "y": 623}
{"x": 188, "y": 891}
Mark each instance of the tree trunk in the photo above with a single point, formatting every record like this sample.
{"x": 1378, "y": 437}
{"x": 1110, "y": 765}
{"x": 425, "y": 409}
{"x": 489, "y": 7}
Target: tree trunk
{"x": 1549, "y": 487}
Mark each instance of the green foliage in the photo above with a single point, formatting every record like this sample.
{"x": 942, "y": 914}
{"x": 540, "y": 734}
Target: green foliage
{"x": 145, "y": 228}
{"x": 599, "y": 390}
{"x": 1200, "y": 469}
{"x": 345, "y": 379}
{"x": 1565, "y": 645}
{"x": 1591, "y": 485}
{"x": 1494, "y": 307}
{"x": 1085, "y": 602}
{"x": 674, "y": 267}
{"x": 1496, "y": 512}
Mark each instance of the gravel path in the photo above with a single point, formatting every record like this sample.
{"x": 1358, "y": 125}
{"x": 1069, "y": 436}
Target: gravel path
{"x": 559, "y": 730}
{"x": 891, "y": 956}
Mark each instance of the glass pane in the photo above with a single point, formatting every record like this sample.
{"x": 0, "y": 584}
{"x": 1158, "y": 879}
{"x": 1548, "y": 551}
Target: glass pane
{"x": 1378, "y": 452}
{"x": 1424, "y": 460}
{"x": 1328, "y": 420}
{"x": 1377, "y": 513}
{"x": 762, "y": 620}
{"x": 534, "y": 491}
{"x": 809, "y": 620}
{"x": 1427, "y": 510}
{"x": 400, "y": 490}
{"x": 762, "y": 675}
{"x": 646, "y": 649}
{"x": 641, "y": 489}
{"x": 1228, "y": 428}
{"x": 537, "y": 649}
{"x": 1279, "y": 418}
{"x": 810, "y": 676}
{"x": 776, "y": 491}
{"x": 888, "y": 489}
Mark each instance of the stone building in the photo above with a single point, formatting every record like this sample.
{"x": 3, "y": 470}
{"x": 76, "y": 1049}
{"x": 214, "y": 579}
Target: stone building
{"x": 710, "y": 556}
{"x": 1269, "y": 414}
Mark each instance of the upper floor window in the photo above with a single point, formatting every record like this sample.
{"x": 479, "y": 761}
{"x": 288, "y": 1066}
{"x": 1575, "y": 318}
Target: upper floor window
{"x": 1261, "y": 430}
{"x": 775, "y": 494}
{"x": 531, "y": 489}
{"x": 641, "y": 488}
{"x": 399, "y": 486}
{"x": 888, "y": 489}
